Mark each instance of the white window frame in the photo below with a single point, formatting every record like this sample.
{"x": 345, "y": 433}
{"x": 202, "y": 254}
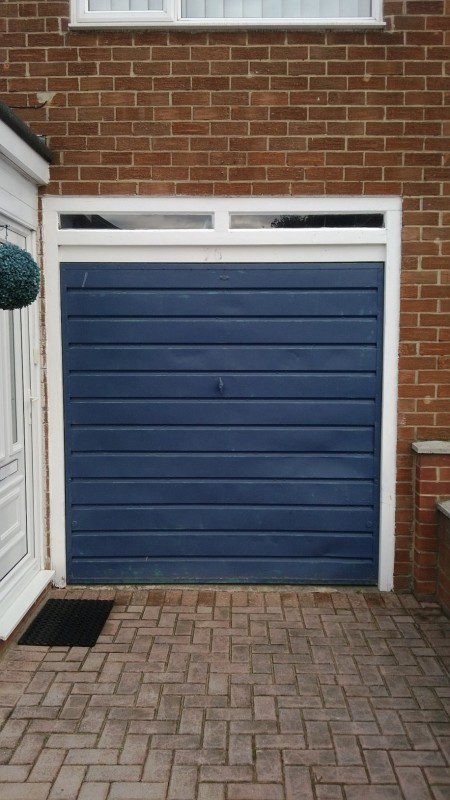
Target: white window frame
{"x": 221, "y": 243}
{"x": 170, "y": 17}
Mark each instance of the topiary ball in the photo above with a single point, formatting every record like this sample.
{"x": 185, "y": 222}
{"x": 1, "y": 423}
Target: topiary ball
{"x": 19, "y": 277}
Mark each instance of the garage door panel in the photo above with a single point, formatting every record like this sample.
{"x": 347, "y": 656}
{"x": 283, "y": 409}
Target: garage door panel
{"x": 223, "y": 358}
{"x": 222, "y": 421}
{"x": 223, "y": 331}
{"x": 263, "y": 465}
{"x": 203, "y": 303}
{"x": 166, "y": 544}
{"x": 225, "y": 439}
{"x": 348, "y": 570}
{"x": 222, "y": 518}
{"x": 187, "y": 385}
{"x": 226, "y": 276}
{"x": 225, "y": 412}
{"x": 90, "y": 492}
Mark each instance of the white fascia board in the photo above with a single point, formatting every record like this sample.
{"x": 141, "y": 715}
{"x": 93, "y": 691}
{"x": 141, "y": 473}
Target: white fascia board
{"x": 24, "y": 158}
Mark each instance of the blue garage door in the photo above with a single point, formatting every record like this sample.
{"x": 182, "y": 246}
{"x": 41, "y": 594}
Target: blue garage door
{"x": 222, "y": 421}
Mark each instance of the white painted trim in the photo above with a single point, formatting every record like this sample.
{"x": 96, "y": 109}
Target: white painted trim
{"x": 35, "y": 415}
{"x": 55, "y": 445}
{"x": 24, "y": 158}
{"x": 352, "y": 23}
{"x": 170, "y": 17}
{"x": 377, "y": 10}
{"x": 221, "y": 243}
{"x": 81, "y": 17}
{"x": 231, "y": 237}
{"x": 22, "y": 586}
{"x": 391, "y": 334}
{"x": 16, "y": 611}
{"x": 207, "y": 255}
{"x": 93, "y": 204}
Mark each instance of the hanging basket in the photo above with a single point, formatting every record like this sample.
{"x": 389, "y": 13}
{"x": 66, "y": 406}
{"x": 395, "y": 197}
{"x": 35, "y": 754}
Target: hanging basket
{"x": 19, "y": 277}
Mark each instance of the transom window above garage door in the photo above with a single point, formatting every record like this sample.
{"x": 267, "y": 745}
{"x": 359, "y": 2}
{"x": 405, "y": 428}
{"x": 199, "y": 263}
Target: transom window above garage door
{"x": 218, "y": 13}
{"x": 198, "y": 221}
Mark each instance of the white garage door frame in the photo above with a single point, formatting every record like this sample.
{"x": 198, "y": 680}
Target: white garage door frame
{"x": 222, "y": 243}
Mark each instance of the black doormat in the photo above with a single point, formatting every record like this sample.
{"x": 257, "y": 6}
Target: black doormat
{"x": 68, "y": 623}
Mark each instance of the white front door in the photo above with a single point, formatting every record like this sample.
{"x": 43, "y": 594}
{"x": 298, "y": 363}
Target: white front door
{"x": 16, "y": 538}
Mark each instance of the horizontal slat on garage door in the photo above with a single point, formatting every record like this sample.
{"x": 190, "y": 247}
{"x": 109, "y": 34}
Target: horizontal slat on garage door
{"x": 145, "y": 303}
{"x": 223, "y": 518}
{"x": 225, "y": 412}
{"x": 224, "y": 277}
{"x": 314, "y": 358}
{"x": 223, "y": 465}
{"x": 250, "y": 569}
{"x": 190, "y": 331}
{"x": 283, "y": 492}
{"x": 193, "y": 439}
{"x": 222, "y": 422}
{"x": 185, "y": 385}
{"x": 244, "y": 544}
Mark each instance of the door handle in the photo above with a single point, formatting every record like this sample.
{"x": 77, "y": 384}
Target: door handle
{"x": 220, "y": 386}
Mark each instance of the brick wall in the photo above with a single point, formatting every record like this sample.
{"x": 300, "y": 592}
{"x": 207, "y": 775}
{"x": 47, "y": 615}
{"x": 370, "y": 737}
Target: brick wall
{"x": 431, "y": 483}
{"x": 265, "y": 113}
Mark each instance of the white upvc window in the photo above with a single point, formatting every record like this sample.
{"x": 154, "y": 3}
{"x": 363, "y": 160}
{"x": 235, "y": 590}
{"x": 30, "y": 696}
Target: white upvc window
{"x": 227, "y": 13}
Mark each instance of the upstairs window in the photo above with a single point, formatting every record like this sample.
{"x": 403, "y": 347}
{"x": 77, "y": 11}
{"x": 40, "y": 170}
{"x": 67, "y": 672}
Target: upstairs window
{"x": 226, "y": 13}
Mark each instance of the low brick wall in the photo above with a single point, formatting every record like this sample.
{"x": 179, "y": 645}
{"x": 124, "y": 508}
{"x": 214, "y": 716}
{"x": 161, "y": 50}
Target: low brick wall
{"x": 431, "y": 483}
{"x": 443, "y": 579}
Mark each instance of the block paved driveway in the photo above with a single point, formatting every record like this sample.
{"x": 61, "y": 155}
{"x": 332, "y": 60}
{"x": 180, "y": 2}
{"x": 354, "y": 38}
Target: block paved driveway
{"x": 234, "y": 695}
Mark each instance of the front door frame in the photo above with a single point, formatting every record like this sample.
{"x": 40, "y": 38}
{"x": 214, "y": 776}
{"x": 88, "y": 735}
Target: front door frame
{"x": 28, "y": 574}
{"x": 212, "y": 245}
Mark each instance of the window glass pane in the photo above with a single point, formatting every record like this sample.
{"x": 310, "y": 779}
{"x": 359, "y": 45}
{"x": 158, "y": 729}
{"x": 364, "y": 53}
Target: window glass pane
{"x": 306, "y": 221}
{"x": 242, "y": 9}
{"x": 125, "y": 5}
{"x": 252, "y": 8}
{"x": 233, "y": 8}
{"x": 214, "y": 8}
{"x": 273, "y": 9}
{"x": 9, "y": 234}
{"x": 328, "y": 8}
{"x": 194, "y": 9}
{"x": 137, "y": 221}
